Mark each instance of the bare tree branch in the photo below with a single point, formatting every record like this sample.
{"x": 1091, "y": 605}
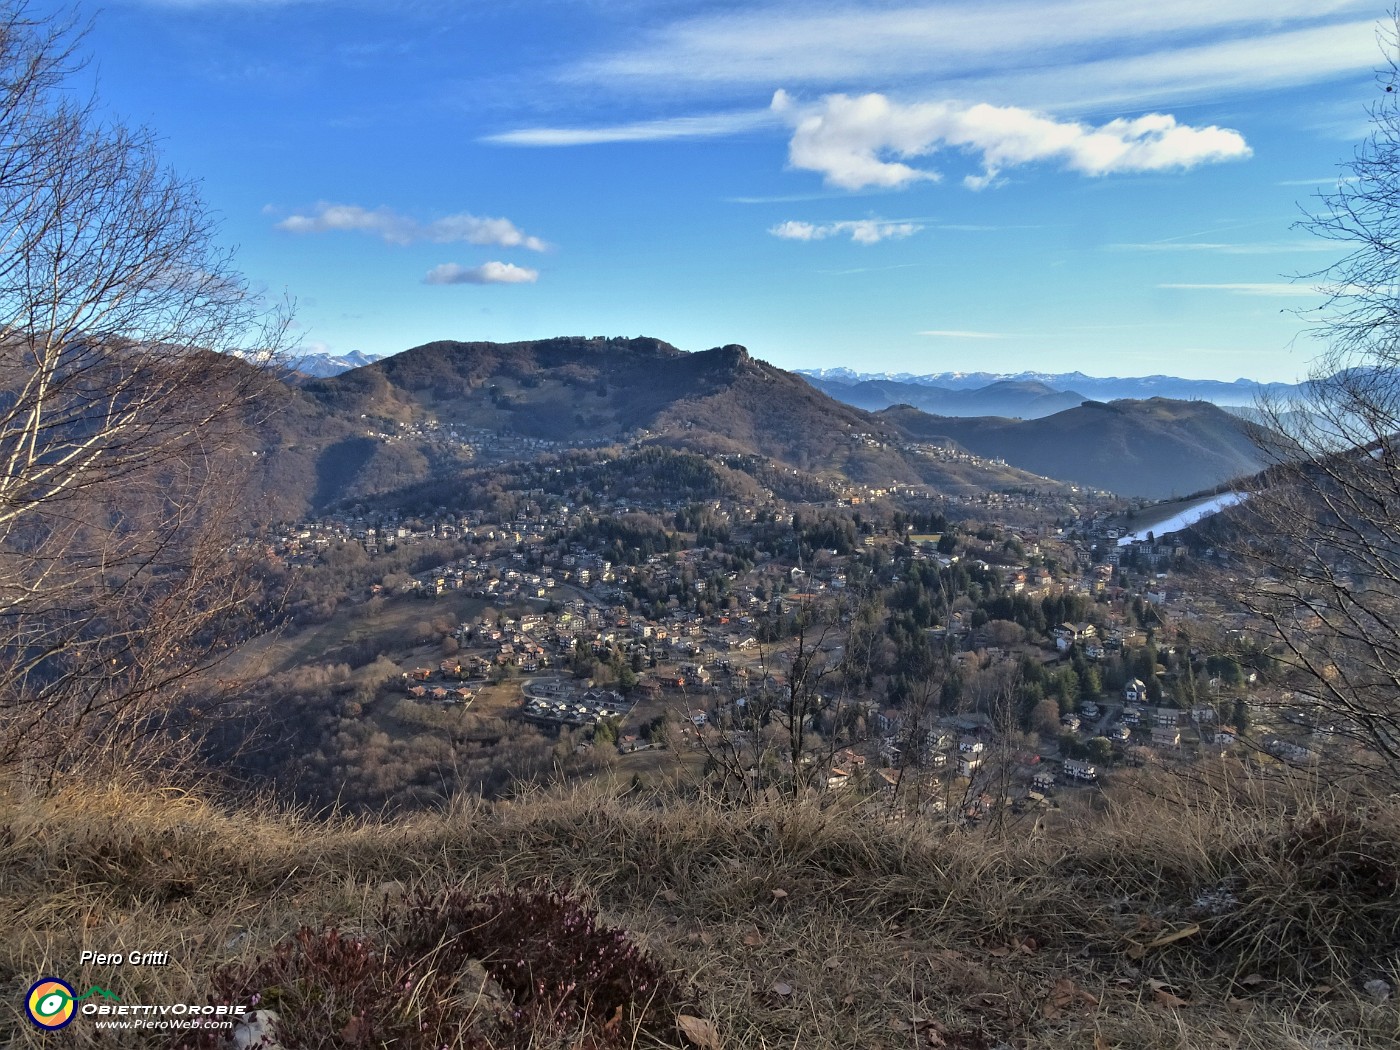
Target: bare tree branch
{"x": 1321, "y": 538}
{"x": 129, "y": 353}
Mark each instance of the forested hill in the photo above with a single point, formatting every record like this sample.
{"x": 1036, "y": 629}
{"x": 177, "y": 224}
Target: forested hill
{"x": 441, "y": 413}
{"x": 578, "y": 391}
{"x": 1156, "y": 448}
{"x": 445, "y": 408}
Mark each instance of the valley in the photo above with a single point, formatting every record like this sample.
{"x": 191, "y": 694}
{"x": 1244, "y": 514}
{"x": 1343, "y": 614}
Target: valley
{"x": 926, "y": 645}
{"x": 977, "y": 624}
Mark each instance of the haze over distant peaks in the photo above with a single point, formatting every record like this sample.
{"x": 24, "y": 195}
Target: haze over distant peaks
{"x": 1017, "y": 399}
{"x": 1026, "y": 394}
{"x": 1109, "y": 388}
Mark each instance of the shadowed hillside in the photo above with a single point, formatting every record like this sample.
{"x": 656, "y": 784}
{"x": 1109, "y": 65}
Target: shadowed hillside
{"x": 577, "y": 391}
{"x": 1156, "y": 448}
{"x": 443, "y": 411}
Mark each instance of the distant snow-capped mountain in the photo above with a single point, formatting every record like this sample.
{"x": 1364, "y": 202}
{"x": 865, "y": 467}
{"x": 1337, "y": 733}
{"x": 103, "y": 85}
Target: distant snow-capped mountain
{"x": 324, "y": 365}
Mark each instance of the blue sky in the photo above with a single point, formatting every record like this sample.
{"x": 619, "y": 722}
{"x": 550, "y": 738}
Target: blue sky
{"x": 891, "y": 186}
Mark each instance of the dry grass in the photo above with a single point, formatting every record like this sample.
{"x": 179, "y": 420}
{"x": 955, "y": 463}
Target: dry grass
{"x": 792, "y": 925}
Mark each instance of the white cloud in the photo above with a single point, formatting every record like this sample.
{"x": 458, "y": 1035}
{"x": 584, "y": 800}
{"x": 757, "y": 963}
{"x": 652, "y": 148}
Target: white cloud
{"x": 486, "y": 273}
{"x": 861, "y": 141}
{"x": 709, "y": 125}
{"x": 402, "y": 229}
{"x": 862, "y": 231}
{"x": 953, "y": 333}
{"x": 1266, "y": 288}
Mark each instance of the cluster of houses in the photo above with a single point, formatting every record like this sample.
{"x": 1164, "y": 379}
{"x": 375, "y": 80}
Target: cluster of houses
{"x": 557, "y": 702}
{"x": 526, "y": 560}
{"x": 469, "y": 442}
{"x": 442, "y": 686}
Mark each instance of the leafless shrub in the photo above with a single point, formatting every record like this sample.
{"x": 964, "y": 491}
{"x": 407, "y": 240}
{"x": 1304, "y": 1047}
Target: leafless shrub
{"x": 1320, "y": 538}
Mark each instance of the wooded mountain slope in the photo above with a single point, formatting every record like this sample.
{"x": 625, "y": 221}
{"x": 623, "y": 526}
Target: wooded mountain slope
{"x": 361, "y": 433}
{"x": 440, "y": 413}
{"x": 1156, "y": 448}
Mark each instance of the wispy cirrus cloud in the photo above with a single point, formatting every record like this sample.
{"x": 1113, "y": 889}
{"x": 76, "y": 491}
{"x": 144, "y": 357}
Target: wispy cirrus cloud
{"x": 987, "y": 78}
{"x": 706, "y": 125}
{"x": 959, "y": 333}
{"x": 859, "y": 141}
{"x": 208, "y": 5}
{"x": 486, "y": 273}
{"x": 395, "y": 228}
{"x": 1332, "y": 180}
{"x": 1271, "y": 289}
{"x": 861, "y": 231}
{"x": 1255, "y": 64}
{"x": 1227, "y": 248}
{"x": 1081, "y": 56}
{"x": 790, "y": 198}
{"x": 1000, "y": 46}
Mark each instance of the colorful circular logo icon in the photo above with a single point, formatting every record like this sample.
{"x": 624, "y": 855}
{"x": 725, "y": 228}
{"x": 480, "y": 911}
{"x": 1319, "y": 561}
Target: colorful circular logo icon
{"x": 50, "y": 1003}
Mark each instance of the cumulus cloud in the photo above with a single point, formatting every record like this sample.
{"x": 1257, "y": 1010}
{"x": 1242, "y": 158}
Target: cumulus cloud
{"x": 394, "y": 228}
{"x": 857, "y": 142}
{"x": 861, "y": 231}
{"x": 486, "y": 273}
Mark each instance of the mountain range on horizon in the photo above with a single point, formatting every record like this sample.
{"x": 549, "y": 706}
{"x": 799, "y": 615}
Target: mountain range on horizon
{"x": 1239, "y": 392}
{"x": 1010, "y": 398}
{"x": 1016, "y": 395}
